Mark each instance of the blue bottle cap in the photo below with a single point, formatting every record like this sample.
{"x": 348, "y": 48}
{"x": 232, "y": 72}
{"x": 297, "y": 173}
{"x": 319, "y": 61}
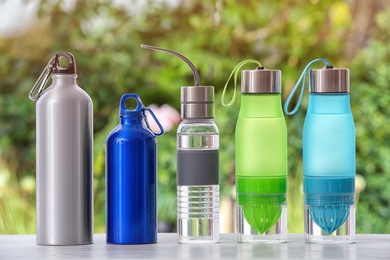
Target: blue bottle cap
{"x": 123, "y": 111}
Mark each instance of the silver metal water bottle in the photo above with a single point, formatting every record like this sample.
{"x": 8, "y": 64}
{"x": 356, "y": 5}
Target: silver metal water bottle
{"x": 64, "y": 156}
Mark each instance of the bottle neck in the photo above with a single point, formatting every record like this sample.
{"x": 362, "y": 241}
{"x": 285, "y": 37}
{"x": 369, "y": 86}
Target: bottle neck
{"x": 197, "y": 121}
{"x": 64, "y": 79}
{"x": 329, "y": 103}
{"x": 261, "y": 105}
{"x": 131, "y": 120}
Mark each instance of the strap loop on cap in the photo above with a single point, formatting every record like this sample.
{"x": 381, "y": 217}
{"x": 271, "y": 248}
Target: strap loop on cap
{"x": 302, "y": 79}
{"x": 180, "y": 56}
{"x": 235, "y": 72}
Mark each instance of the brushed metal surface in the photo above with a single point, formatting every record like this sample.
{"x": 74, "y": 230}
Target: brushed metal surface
{"x": 64, "y": 144}
{"x": 261, "y": 81}
{"x": 329, "y": 80}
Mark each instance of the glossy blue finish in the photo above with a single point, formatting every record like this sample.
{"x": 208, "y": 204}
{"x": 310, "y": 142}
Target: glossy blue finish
{"x": 131, "y": 183}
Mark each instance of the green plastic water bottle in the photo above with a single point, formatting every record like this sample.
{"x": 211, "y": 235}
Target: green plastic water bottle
{"x": 261, "y": 159}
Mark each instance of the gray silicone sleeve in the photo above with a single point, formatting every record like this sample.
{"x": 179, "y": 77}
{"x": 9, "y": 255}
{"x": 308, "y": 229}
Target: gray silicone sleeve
{"x": 199, "y": 167}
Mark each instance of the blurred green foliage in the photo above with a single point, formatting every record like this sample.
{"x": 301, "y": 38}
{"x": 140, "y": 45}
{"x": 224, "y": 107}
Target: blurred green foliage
{"x": 215, "y": 36}
{"x": 370, "y": 105}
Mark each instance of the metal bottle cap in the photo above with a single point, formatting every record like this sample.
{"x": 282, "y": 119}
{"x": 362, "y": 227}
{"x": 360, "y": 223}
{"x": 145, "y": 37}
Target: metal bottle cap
{"x": 261, "y": 81}
{"x": 329, "y": 80}
{"x": 197, "y": 102}
{"x": 70, "y": 69}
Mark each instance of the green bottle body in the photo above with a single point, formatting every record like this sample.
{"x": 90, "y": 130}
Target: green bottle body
{"x": 261, "y": 160}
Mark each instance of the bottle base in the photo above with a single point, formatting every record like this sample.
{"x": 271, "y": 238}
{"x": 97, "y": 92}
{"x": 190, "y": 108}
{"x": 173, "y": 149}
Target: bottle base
{"x": 198, "y": 231}
{"x": 131, "y": 243}
{"x": 198, "y": 214}
{"x": 58, "y": 243}
{"x": 344, "y": 234}
{"x": 273, "y": 235}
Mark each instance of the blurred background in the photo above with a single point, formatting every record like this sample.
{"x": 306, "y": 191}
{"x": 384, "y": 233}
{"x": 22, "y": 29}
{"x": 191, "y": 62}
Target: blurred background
{"x": 215, "y": 35}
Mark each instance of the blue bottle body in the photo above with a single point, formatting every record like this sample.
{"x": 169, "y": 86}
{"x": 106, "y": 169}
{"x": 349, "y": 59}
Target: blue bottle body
{"x": 329, "y": 164}
{"x": 131, "y": 183}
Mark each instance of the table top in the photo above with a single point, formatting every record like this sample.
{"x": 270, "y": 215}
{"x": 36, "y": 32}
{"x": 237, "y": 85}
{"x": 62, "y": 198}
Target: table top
{"x": 366, "y": 247}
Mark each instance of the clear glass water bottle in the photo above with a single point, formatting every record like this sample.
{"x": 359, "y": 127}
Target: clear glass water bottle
{"x": 197, "y": 162}
{"x": 197, "y": 167}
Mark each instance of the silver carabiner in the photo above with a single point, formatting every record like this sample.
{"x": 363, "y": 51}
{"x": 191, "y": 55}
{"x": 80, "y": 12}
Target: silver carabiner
{"x": 42, "y": 81}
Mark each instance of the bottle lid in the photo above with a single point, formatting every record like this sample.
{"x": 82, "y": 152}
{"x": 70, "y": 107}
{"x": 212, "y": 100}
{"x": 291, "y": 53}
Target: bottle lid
{"x": 70, "y": 69}
{"x": 197, "y": 102}
{"x": 261, "y": 81}
{"x": 137, "y": 111}
{"x": 329, "y": 80}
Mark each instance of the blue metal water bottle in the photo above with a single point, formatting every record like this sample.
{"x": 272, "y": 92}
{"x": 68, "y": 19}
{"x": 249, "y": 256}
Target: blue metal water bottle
{"x": 131, "y": 177}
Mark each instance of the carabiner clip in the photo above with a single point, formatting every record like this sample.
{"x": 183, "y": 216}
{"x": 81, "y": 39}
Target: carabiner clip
{"x": 42, "y": 81}
{"x": 147, "y": 109}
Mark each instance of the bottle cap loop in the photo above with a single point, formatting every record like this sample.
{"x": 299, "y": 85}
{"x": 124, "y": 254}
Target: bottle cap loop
{"x": 52, "y": 67}
{"x": 123, "y": 111}
{"x": 302, "y": 79}
{"x": 140, "y": 110}
{"x": 197, "y": 102}
{"x": 70, "y": 68}
{"x": 235, "y": 73}
{"x": 182, "y": 57}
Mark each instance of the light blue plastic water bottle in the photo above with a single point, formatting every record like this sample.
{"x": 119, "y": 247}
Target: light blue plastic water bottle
{"x": 329, "y": 164}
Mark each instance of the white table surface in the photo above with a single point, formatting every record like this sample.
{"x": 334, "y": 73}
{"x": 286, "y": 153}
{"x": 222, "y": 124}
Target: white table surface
{"x": 366, "y": 247}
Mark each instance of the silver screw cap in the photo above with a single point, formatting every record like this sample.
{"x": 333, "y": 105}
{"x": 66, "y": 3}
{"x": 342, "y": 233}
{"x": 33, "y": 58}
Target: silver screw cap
{"x": 197, "y": 102}
{"x": 261, "y": 81}
{"x": 329, "y": 80}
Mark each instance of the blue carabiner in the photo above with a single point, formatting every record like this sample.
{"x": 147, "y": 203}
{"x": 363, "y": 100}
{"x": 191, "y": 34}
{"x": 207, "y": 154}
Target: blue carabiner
{"x": 155, "y": 119}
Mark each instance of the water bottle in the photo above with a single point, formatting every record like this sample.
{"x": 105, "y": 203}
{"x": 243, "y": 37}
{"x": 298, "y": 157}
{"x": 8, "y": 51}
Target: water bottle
{"x": 329, "y": 165}
{"x": 261, "y": 157}
{"x": 197, "y": 163}
{"x": 131, "y": 177}
{"x": 198, "y": 167}
{"x": 64, "y": 156}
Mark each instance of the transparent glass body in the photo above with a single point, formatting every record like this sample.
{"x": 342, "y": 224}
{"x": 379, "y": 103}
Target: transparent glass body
{"x": 198, "y": 204}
